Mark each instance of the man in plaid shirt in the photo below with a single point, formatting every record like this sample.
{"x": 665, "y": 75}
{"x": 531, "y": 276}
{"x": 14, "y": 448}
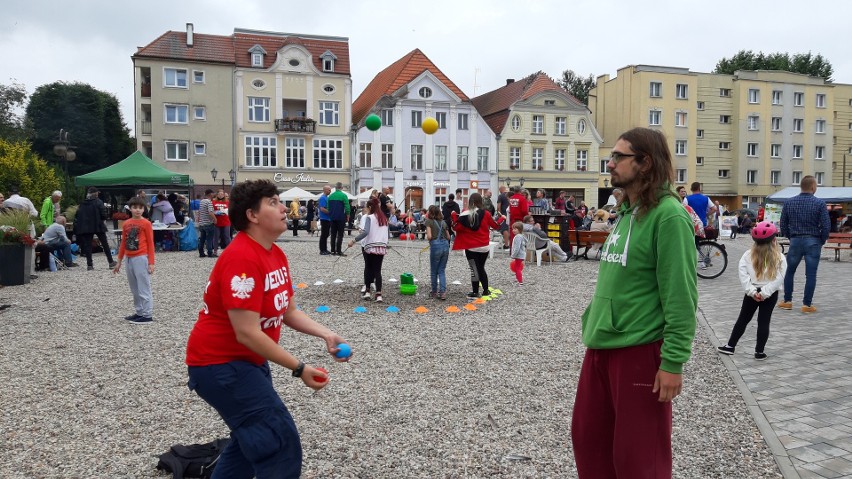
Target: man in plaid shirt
{"x": 804, "y": 219}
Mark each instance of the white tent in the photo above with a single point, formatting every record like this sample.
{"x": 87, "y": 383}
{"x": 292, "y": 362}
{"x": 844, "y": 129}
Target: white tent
{"x": 829, "y": 194}
{"x": 365, "y": 195}
{"x": 296, "y": 192}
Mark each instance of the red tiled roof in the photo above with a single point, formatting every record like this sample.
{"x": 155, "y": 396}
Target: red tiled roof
{"x": 494, "y": 106}
{"x": 206, "y": 48}
{"x": 394, "y": 77}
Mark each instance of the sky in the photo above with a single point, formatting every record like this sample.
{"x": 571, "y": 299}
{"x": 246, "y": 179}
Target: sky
{"x": 478, "y": 44}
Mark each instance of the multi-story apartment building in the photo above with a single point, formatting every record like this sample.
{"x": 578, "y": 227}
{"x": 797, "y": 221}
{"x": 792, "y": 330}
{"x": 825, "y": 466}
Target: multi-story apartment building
{"x": 841, "y": 165}
{"x": 546, "y": 138}
{"x": 258, "y": 104}
{"x": 420, "y": 169}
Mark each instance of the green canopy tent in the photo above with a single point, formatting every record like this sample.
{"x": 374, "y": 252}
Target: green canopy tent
{"x": 135, "y": 170}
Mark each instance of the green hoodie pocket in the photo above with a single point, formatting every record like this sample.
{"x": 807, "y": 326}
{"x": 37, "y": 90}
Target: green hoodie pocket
{"x": 597, "y": 321}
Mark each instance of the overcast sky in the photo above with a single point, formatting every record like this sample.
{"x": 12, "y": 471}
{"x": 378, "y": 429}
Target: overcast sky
{"x": 91, "y": 41}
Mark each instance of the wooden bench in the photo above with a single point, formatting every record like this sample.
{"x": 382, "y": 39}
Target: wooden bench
{"x": 839, "y": 242}
{"x": 587, "y": 239}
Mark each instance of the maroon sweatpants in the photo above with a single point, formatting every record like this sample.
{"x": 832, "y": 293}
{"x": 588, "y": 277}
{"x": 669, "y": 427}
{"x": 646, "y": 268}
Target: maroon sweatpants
{"x": 619, "y": 429}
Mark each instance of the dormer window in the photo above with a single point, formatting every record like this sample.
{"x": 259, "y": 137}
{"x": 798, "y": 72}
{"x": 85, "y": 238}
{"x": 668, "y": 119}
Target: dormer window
{"x": 328, "y": 59}
{"x": 425, "y": 92}
{"x": 257, "y": 55}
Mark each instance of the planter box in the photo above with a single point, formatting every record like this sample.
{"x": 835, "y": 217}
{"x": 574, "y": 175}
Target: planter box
{"x": 16, "y": 264}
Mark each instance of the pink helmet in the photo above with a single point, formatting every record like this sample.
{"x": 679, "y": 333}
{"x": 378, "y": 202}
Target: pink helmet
{"x": 764, "y": 231}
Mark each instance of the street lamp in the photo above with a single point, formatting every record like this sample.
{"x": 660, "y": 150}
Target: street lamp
{"x": 521, "y": 181}
{"x": 606, "y": 183}
{"x": 508, "y": 181}
{"x": 233, "y": 175}
{"x": 214, "y": 173}
{"x": 63, "y": 149}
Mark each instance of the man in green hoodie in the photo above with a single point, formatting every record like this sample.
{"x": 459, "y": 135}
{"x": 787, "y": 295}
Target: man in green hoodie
{"x": 639, "y": 327}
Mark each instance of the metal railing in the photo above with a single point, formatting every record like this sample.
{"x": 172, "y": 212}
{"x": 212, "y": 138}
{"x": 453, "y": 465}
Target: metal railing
{"x": 297, "y": 125}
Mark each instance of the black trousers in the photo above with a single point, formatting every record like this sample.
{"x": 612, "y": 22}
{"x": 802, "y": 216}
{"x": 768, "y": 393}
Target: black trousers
{"x": 337, "y": 228}
{"x": 325, "y": 226}
{"x": 764, "y": 314}
{"x": 84, "y": 241}
{"x": 373, "y": 270}
{"x": 476, "y": 261}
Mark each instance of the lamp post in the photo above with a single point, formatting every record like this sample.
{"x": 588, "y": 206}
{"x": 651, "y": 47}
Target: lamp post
{"x": 233, "y": 175}
{"x": 214, "y": 173}
{"x": 63, "y": 149}
{"x": 521, "y": 181}
{"x": 606, "y": 183}
{"x": 508, "y": 182}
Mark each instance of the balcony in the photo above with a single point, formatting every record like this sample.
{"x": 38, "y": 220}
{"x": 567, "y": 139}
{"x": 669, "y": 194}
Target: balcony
{"x": 146, "y": 127}
{"x": 295, "y": 125}
{"x": 146, "y": 90}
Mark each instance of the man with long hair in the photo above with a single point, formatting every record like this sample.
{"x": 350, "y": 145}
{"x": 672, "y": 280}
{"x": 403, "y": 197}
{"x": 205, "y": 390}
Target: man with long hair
{"x": 639, "y": 327}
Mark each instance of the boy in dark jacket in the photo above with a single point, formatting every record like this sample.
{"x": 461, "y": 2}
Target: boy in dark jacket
{"x": 88, "y": 223}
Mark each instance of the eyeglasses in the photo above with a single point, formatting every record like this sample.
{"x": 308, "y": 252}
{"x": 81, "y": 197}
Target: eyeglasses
{"x": 616, "y": 157}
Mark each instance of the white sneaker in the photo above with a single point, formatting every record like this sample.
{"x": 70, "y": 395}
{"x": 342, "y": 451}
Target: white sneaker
{"x": 363, "y": 289}
{"x": 366, "y": 295}
{"x": 379, "y": 298}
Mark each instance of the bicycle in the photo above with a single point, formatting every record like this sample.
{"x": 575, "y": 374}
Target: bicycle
{"x": 712, "y": 259}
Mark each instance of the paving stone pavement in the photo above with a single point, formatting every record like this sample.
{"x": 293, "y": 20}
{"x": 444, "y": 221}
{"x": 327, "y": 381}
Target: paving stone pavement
{"x": 801, "y": 396}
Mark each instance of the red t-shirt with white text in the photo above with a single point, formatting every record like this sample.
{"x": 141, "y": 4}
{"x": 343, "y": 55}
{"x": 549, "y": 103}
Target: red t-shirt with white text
{"x": 246, "y": 276}
{"x": 220, "y": 210}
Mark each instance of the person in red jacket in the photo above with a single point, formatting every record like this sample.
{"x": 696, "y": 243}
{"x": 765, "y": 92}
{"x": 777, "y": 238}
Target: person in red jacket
{"x": 473, "y": 236}
{"x": 519, "y": 206}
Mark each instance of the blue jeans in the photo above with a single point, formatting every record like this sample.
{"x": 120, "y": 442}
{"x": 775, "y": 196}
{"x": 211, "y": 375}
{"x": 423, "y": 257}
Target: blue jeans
{"x": 439, "y": 253}
{"x": 206, "y": 238}
{"x": 808, "y": 247}
{"x": 264, "y": 440}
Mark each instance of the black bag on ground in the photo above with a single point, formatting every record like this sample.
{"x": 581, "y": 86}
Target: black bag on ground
{"x": 194, "y": 460}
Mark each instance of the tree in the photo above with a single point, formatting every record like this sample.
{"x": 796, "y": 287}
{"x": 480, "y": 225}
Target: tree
{"x": 97, "y": 131}
{"x": 12, "y": 98}
{"x": 806, "y": 63}
{"x": 21, "y": 167}
{"x": 577, "y": 85}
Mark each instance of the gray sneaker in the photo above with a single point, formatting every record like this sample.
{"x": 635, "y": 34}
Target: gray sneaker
{"x": 141, "y": 320}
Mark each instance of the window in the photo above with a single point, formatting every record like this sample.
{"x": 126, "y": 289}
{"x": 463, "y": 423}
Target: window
{"x": 798, "y": 98}
{"x": 516, "y": 123}
{"x": 582, "y": 159}
{"x": 775, "y": 177}
{"x": 680, "y": 118}
{"x": 680, "y": 175}
{"x": 258, "y": 84}
{"x": 560, "y": 125}
{"x": 699, "y": 106}
{"x": 753, "y": 95}
{"x": 775, "y": 150}
{"x": 751, "y": 149}
{"x": 463, "y": 118}
{"x": 425, "y": 92}
{"x": 797, "y": 177}
{"x": 482, "y": 158}
{"x": 441, "y": 118}
{"x": 365, "y": 155}
{"x": 200, "y": 149}
{"x": 440, "y": 196}
{"x": 550, "y": 102}
{"x": 197, "y": 76}
{"x": 177, "y": 151}
{"x": 258, "y": 109}
{"x": 537, "y": 158}
{"x": 538, "y": 124}
{"x": 699, "y": 160}
{"x": 819, "y": 153}
{"x": 680, "y": 147}
{"x": 328, "y": 64}
{"x": 559, "y": 159}
{"x": 294, "y": 153}
{"x": 416, "y": 118}
{"x": 819, "y": 176}
{"x": 177, "y": 114}
{"x": 797, "y": 152}
{"x": 798, "y": 125}
{"x": 328, "y": 88}
{"x": 462, "y": 158}
{"x": 387, "y": 117}
{"x": 724, "y": 145}
{"x": 654, "y": 117}
{"x": 416, "y": 157}
{"x": 604, "y": 167}
{"x": 752, "y": 122}
{"x": 441, "y": 157}
{"x": 820, "y": 126}
{"x": 724, "y": 118}
{"x": 680, "y": 91}
{"x": 257, "y": 59}
{"x": 776, "y": 97}
{"x": 329, "y": 113}
{"x": 261, "y": 151}
{"x": 514, "y": 157}
{"x": 328, "y": 153}
{"x": 387, "y": 156}
{"x": 776, "y": 123}
{"x": 656, "y": 89}
{"x": 751, "y": 177}
{"x": 581, "y": 126}
{"x": 174, "y": 78}
{"x": 724, "y": 92}
{"x": 820, "y": 100}
{"x": 699, "y": 133}
{"x": 199, "y": 113}
{"x": 724, "y": 173}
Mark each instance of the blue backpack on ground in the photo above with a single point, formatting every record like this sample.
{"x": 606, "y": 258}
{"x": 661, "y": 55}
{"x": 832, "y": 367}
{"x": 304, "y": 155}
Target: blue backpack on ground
{"x": 189, "y": 237}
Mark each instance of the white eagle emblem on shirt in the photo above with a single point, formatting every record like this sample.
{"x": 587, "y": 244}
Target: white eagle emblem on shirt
{"x": 242, "y": 286}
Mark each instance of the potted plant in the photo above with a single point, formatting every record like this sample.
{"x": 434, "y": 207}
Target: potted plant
{"x": 512, "y": 167}
{"x": 562, "y": 168}
{"x": 118, "y": 219}
{"x": 540, "y": 167}
{"x": 16, "y": 248}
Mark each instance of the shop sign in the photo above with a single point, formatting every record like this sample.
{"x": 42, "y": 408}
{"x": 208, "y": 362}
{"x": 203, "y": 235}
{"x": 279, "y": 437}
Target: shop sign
{"x": 410, "y": 184}
{"x": 300, "y": 178}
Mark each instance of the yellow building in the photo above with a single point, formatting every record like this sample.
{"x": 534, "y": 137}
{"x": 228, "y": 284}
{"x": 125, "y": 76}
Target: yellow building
{"x": 841, "y": 165}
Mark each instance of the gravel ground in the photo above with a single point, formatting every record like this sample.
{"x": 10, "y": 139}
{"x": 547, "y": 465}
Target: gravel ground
{"x": 429, "y": 395}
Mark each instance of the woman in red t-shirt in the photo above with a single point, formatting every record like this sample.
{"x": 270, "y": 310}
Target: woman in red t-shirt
{"x": 223, "y": 222}
{"x": 473, "y": 236}
{"x": 246, "y": 300}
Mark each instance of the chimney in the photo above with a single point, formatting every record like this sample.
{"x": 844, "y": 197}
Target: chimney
{"x": 509, "y": 81}
{"x": 189, "y": 34}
